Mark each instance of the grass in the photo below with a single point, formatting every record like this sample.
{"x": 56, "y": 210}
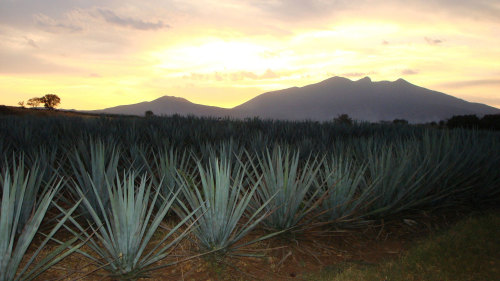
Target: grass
{"x": 468, "y": 251}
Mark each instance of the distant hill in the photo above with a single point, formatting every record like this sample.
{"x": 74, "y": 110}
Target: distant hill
{"x": 167, "y": 105}
{"x": 362, "y": 100}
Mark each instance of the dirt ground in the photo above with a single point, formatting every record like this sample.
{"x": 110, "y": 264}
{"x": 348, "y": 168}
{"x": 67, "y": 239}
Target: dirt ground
{"x": 284, "y": 257}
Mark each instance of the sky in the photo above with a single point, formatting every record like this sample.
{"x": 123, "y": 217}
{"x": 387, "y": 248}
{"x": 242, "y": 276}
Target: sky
{"x": 96, "y": 54}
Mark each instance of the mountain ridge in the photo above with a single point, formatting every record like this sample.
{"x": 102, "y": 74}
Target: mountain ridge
{"x": 362, "y": 99}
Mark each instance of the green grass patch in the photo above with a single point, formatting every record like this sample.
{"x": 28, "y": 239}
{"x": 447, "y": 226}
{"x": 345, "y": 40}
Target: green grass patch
{"x": 468, "y": 251}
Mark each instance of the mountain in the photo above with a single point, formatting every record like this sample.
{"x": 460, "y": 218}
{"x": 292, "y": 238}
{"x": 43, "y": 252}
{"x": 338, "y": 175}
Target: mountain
{"x": 167, "y": 105}
{"x": 362, "y": 100}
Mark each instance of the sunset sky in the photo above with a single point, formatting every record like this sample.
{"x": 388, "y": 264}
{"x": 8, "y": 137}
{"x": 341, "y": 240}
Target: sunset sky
{"x": 96, "y": 54}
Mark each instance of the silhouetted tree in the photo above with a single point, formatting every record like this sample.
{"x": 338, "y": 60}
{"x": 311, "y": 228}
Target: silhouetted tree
{"x": 463, "y": 121}
{"x": 21, "y": 104}
{"x": 490, "y": 122}
{"x": 343, "y": 119}
{"x": 34, "y": 102}
{"x": 149, "y": 113}
{"x": 400, "y": 122}
{"x": 50, "y": 101}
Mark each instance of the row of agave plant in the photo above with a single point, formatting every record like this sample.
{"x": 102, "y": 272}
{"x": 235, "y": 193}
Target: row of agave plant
{"x": 24, "y": 134}
{"x": 115, "y": 199}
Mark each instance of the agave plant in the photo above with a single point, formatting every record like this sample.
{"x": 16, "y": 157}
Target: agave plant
{"x": 121, "y": 238}
{"x": 92, "y": 167}
{"x": 343, "y": 183}
{"x": 223, "y": 200}
{"x": 164, "y": 170}
{"x": 292, "y": 189}
{"x": 462, "y": 168}
{"x": 35, "y": 187}
{"x": 395, "y": 180}
{"x": 134, "y": 158}
{"x": 14, "y": 243}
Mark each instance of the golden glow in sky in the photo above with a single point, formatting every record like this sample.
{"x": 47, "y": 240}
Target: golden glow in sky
{"x": 98, "y": 54}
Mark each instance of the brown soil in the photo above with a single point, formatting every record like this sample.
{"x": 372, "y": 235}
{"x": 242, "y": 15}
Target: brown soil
{"x": 285, "y": 258}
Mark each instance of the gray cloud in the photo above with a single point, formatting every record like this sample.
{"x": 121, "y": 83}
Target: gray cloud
{"x": 297, "y": 10}
{"x": 471, "y": 83}
{"x": 433, "y": 42}
{"x": 409, "y": 71}
{"x": 476, "y": 9}
{"x": 21, "y": 12}
{"x": 110, "y": 17}
{"x": 49, "y": 24}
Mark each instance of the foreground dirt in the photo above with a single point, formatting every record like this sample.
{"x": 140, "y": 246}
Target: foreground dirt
{"x": 284, "y": 257}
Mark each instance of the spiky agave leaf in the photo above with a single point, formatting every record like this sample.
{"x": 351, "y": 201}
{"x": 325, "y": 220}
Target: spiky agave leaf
{"x": 92, "y": 166}
{"x": 461, "y": 167}
{"x": 134, "y": 158}
{"x": 119, "y": 238}
{"x": 164, "y": 169}
{"x": 223, "y": 200}
{"x": 290, "y": 185}
{"x": 393, "y": 177}
{"x": 435, "y": 172}
{"x": 13, "y": 245}
{"x": 341, "y": 180}
{"x": 34, "y": 187}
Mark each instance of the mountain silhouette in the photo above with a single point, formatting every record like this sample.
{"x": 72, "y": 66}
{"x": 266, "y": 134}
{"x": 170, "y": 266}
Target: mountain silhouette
{"x": 363, "y": 100}
{"x": 167, "y": 105}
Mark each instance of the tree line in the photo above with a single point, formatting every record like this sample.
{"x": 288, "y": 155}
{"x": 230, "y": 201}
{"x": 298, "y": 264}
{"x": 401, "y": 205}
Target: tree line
{"x": 49, "y": 101}
{"x": 487, "y": 122}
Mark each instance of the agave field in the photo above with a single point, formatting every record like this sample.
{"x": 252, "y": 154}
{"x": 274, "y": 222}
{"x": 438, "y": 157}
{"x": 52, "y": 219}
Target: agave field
{"x": 122, "y": 193}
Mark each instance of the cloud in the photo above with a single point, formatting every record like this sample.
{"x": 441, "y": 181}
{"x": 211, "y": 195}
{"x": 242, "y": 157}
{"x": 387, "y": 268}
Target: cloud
{"x": 110, "y": 17}
{"x": 21, "y": 12}
{"x": 31, "y": 42}
{"x": 357, "y": 74}
{"x": 385, "y": 43}
{"x": 51, "y": 25}
{"x": 299, "y": 10}
{"x": 409, "y": 71}
{"x": 22, "y": 63}
{"x": 477, "y": 9}
{"x": 433, "y": 42}
{"x": 233, "y": 76}
{"x": 269, "y": 74}
{"x": 471, "y": 83}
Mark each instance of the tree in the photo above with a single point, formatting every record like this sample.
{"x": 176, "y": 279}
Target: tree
{"x": 51, "y": 101}
{"x": 149, "y": 113}
{"x": 490, "y": 122}
{"x": 400, "y": 122}
{"x": 34, "y": 102}
{"x": 343, "y": 119}
{"x": 21, "y": 104}
{"x": 463, "y": 121}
